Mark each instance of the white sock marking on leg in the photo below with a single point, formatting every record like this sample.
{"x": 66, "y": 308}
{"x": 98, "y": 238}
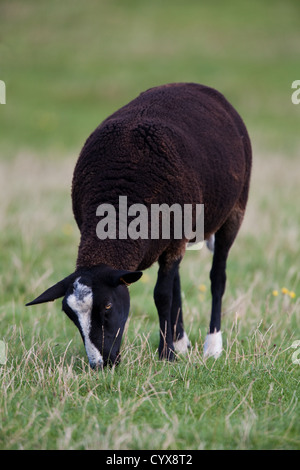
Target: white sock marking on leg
{"x": 213, "y": 345}
{"x": 181, "y": 346}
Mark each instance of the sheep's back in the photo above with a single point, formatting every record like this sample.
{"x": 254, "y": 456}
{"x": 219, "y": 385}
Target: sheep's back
{"x": 179, "y": 143}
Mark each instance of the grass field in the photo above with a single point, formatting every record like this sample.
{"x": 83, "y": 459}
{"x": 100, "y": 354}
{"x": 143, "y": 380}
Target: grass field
{"x": 67, "y": 65}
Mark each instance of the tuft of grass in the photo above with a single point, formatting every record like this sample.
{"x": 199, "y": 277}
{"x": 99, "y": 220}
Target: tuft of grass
{"x": 247, "y": 399}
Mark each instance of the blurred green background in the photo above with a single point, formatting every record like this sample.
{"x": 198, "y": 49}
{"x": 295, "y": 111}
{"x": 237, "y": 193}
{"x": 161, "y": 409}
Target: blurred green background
{"x": 68, "y": 64}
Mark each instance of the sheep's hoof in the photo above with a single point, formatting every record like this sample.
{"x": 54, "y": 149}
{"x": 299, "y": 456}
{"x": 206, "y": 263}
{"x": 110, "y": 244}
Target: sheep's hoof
{"x": 182, "y": 345}
{"x": 167, "y": 353}
{"x": 213, "y": 345}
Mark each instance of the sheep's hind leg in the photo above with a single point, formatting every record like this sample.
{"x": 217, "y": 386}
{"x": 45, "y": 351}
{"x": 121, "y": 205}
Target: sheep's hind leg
{"x": 224, "y": 239}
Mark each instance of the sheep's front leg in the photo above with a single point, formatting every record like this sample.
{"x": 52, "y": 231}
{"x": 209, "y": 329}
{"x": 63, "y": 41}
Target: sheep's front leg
{"x": 180, "y": 338}
{"x": 163, "y": 297}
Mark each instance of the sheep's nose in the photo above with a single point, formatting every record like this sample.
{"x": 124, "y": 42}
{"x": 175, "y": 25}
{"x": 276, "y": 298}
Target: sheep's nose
{"x": 97, "y": 365}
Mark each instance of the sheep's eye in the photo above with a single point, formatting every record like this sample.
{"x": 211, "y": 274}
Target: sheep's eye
{"x": 108, "y": 306}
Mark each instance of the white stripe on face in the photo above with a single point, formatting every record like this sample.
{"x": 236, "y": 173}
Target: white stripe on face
{"x": 81, "y": 302}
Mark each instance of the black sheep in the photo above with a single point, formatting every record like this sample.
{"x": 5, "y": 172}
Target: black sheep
{"x": 181, "y": 143}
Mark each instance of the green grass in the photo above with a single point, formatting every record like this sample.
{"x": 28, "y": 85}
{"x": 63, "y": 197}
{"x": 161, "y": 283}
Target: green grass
{"x": 67, "y": 65}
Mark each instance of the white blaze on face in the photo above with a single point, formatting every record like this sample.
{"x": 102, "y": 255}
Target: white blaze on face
{"x": 81, "y": 302}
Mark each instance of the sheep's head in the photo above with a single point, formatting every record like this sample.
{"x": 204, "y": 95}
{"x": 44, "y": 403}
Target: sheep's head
{"x": 97, "y": 300}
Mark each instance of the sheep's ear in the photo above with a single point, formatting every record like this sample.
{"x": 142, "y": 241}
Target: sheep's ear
{"x": 54, "y": 292}
{"x": 128, "y": 277}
